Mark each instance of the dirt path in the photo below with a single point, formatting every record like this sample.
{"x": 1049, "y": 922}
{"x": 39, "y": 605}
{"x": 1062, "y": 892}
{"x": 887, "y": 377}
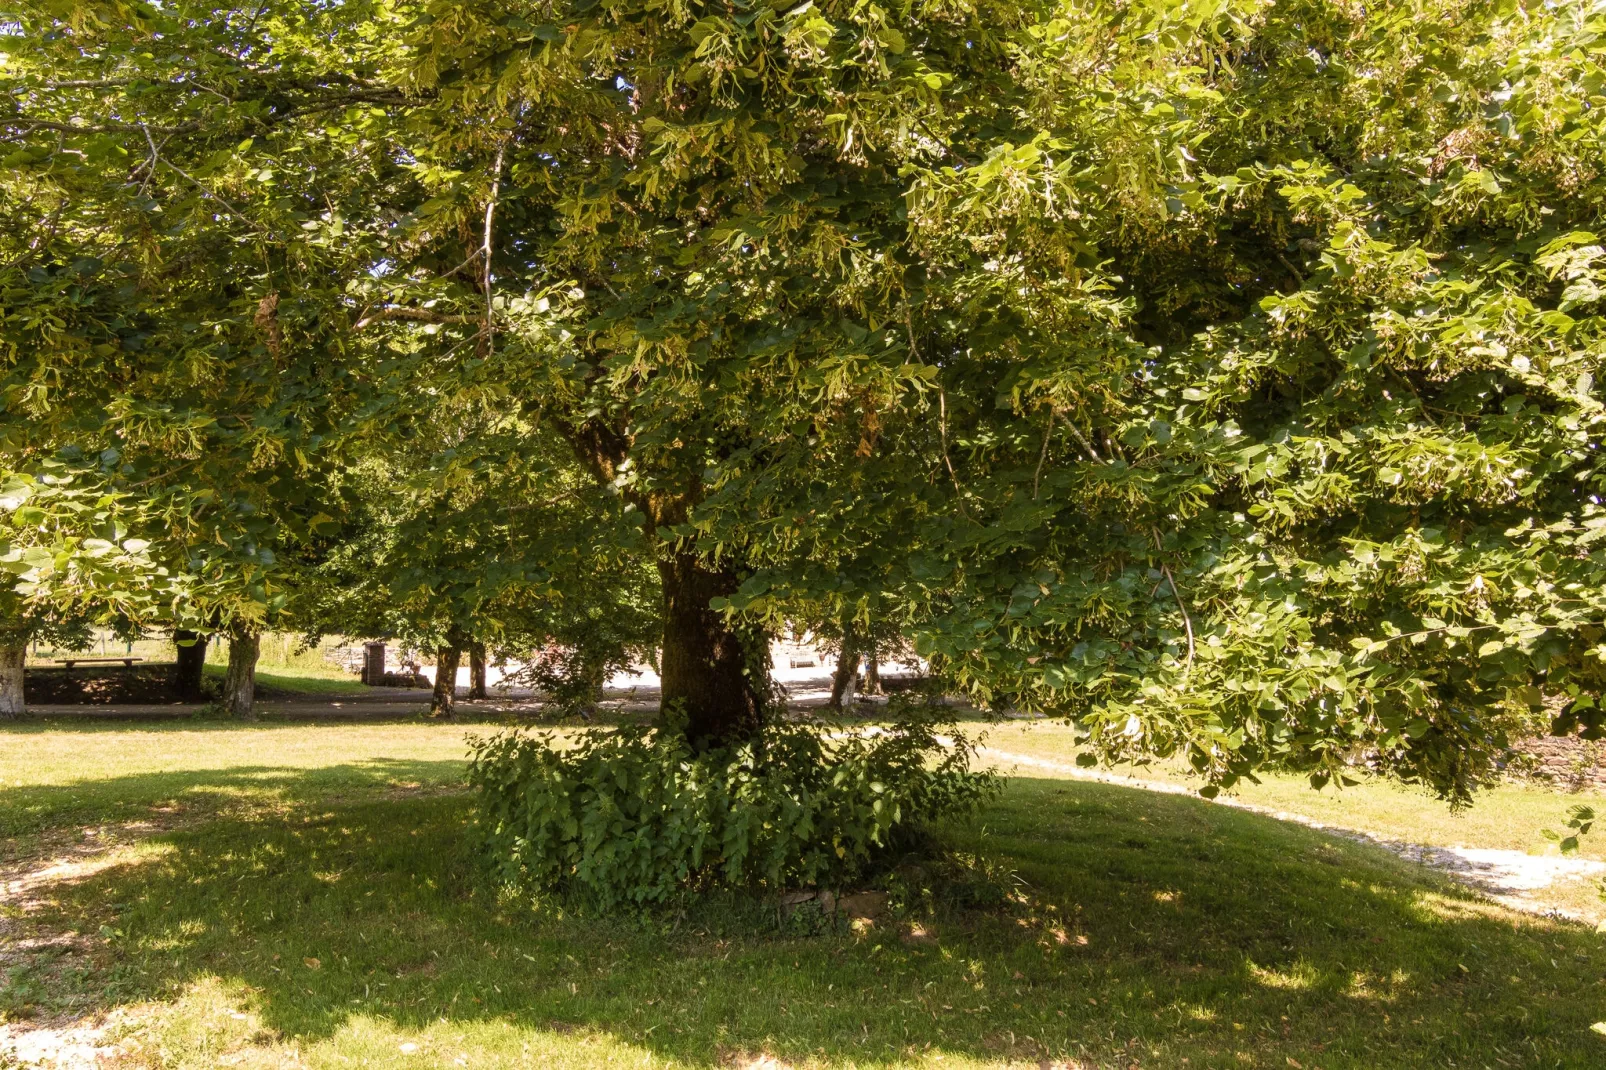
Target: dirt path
{"x": 1511, "y": 878}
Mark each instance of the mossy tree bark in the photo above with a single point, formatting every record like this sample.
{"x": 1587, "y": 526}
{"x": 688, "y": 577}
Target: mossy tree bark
{"x": 240, "y": 682}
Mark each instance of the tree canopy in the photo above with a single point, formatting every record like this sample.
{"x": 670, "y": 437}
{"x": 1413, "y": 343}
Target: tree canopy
{"x": 1217, "y": 373}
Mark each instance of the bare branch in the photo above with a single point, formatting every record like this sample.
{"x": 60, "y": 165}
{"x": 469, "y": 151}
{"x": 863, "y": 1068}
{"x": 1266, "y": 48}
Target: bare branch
{"x": 1159, "y": 545}
{"x": 1085, "y": 444}
{"x": 236, "y": 213}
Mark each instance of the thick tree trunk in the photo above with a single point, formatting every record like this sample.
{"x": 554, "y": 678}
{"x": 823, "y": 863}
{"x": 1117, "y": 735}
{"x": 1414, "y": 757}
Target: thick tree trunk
{"x": 447, "y": 659}
{"x": 240, "y": 683}
{"x": 708, "y": 676}
{"x": 191, "y": 664}
{"x": 13, "y": 703}
{"x": 476, "y": 671}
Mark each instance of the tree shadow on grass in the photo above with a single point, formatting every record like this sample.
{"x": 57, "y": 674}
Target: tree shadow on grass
{"x": 1149, "y": 930}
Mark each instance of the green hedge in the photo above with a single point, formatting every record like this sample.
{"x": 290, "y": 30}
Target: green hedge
{"x": 635, "y": 817}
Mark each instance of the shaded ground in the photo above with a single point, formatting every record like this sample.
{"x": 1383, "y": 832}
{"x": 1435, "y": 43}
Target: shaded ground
{"x": 100, "y": 685}
{"x": 145, "y": 692}
{"x": 151, "y": 688}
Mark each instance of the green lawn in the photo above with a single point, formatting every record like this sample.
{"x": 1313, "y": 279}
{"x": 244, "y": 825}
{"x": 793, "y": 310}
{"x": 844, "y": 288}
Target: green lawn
{"x": 289, "y": 681}
{"x": 310, "y": 898}
{"x": 1511, "y": 817}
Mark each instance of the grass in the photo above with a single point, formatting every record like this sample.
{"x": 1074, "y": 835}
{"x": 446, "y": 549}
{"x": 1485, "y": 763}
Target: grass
{"x": 1511, "y": 816}
{"x": 315, "y": 902}
{"x": 55, "y": 778}
{"x": 291, "y": 681}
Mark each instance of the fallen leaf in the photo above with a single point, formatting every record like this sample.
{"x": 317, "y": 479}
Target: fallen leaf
{"x": 312, "y": 963}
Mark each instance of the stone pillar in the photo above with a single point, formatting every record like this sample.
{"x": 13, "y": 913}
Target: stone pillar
{"x": 373, "y": 664}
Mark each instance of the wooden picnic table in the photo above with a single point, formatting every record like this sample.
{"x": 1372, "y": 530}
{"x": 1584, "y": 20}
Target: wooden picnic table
{"x": 128, "y": 662}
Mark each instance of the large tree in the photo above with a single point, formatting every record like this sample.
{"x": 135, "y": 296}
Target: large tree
{"x": 1220, "y": 375}
{"x": 1217, "y": 374}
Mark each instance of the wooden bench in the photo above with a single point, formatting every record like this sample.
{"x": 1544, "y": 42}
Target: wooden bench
{"x": 128, "y": 662}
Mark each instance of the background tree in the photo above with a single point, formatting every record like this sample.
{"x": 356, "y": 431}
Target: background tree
{"x": 173, "y": 292}
{"x": 72, "y": 564}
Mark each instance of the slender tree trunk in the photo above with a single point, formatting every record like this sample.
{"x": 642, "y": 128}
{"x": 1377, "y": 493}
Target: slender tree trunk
{"x": 707, "y": 672}
{"x": 191, "y": 664}
{"x": 845, "y": 680}
{"x": 446, "y": 662}
{"x": 13, "y": 703}
{"x": 476, "y": 671}
{"x": 240, "y": 683}
{"x": 872, "y": 673}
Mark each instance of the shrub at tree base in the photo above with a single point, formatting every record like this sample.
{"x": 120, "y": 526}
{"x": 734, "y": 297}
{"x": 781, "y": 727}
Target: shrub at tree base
{"x": 636, "y": 817}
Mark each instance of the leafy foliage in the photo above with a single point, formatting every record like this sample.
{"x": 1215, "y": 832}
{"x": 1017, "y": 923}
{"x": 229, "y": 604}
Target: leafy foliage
{"x": 1221, "y": 375}
{"x": 1580, "y": 819}
{"x": 635, "y": 817}
{"x": 66, "y": 545}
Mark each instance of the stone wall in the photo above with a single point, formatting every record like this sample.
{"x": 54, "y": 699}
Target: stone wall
{"x": 1568, "y": 762}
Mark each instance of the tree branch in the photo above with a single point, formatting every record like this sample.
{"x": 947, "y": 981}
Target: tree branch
{"x": 417, "y": 315}
{"x": 157, "y": 156}
{"x": 1187, "y": 621}
{"x": 485, "y": 249}
{"x": 1048, "y": 433}
{"x": 942, "y": 416}
{"x": 1159, "y": 545}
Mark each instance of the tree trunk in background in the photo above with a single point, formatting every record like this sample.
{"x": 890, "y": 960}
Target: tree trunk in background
{"x": 191, "y": 664}
{"x": 240, "y": 683}
{"x": 13, "y": 703}
{"x": 846, "y": 678}
{"x": 476, "y": 671}
{"x": 447, "y": 659}
{"x": 872, "y": 673}
{"x": 706, "y": 672}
